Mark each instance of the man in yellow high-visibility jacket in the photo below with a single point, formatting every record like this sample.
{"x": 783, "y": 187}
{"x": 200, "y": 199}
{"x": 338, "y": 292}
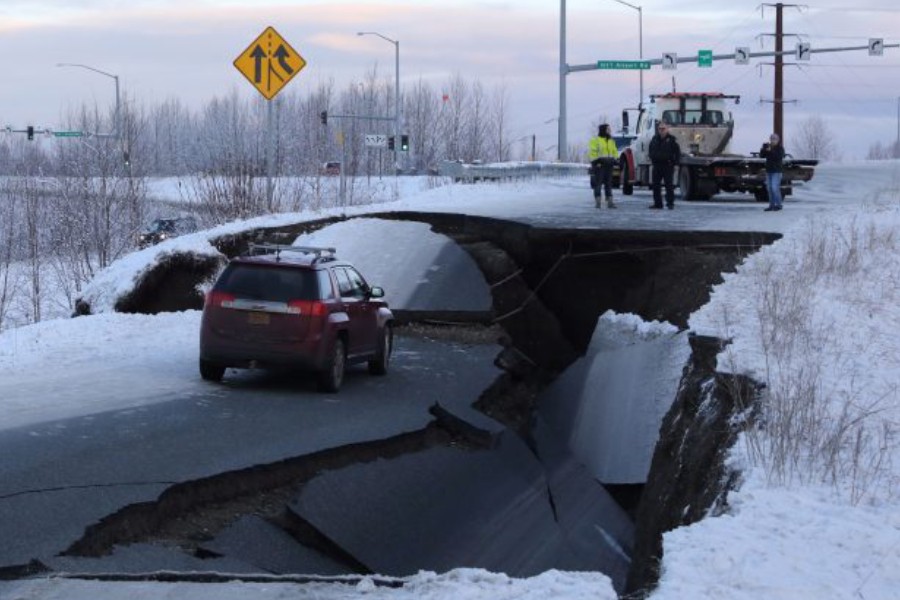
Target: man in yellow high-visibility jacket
{"x": 603, "y": 153}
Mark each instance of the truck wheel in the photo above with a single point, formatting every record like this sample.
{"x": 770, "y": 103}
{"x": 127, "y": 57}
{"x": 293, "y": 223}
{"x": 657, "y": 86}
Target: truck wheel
{"x": 686, "y": 183}
{"x": 627, "y": 187}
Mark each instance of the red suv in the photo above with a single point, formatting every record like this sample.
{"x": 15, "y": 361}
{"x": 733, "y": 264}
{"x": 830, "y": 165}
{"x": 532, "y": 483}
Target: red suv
{"x": 294, "y": 307}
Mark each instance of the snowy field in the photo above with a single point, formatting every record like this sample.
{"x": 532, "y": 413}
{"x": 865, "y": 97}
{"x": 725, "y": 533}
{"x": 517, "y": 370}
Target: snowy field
{"x": 816, "y": 316}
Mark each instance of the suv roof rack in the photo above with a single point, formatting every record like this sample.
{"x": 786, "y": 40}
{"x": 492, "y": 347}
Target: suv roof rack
{"x": 319, "y": 253}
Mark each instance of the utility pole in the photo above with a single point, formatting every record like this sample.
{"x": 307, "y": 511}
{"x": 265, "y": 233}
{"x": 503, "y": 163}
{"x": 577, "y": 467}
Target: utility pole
{"x": 778, "y": 107}
{"x": 778, "y": 100}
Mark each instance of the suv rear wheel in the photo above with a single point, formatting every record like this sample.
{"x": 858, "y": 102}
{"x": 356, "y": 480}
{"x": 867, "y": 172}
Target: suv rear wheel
{"x": 379, "y": 364}
{"x": 332, "y": 377}
{"x": 211, "y": 371}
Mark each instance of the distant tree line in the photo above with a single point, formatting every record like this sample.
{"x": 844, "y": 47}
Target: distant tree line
{"x": 879, "y": 151}
{"x": 460, "y": 119}
{"x": 71, "y": 206}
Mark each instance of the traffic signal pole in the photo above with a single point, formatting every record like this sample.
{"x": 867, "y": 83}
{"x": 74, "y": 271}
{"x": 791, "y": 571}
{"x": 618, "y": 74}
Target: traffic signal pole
{"x": 779, "y": 53}
{"x": 324, "y": 116}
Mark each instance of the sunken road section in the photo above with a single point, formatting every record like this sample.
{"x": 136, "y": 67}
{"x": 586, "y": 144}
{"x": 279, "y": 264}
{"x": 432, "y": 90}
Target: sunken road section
{"x": 548, "y": 288}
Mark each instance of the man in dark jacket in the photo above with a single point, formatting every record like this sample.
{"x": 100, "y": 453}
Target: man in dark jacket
{"x": 773, "y": 152}
{"x": 665, "y": 153}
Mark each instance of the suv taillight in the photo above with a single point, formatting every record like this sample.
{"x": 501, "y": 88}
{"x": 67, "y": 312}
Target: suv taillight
{"x": 218, "y": 299}
{"x": 312, "y": 308}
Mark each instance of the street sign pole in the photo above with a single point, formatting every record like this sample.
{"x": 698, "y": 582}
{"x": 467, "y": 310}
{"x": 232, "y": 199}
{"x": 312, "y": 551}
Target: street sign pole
{"x": 270, "y": 156}
{"x": 269, "y": 63}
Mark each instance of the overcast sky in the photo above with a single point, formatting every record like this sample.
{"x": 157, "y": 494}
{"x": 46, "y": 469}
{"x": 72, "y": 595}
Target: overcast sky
{"x": 184, "y": 49}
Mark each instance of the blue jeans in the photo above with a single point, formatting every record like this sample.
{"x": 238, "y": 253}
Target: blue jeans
{"x": 773, "y": 186}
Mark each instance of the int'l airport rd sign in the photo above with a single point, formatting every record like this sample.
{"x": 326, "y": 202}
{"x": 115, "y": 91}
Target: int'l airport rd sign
{"x": 269, "y": 63}
{"x": 623, "y": 64}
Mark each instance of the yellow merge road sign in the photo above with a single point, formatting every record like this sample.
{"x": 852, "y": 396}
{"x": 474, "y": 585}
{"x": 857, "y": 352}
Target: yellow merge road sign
{"x": 269, "y": 63}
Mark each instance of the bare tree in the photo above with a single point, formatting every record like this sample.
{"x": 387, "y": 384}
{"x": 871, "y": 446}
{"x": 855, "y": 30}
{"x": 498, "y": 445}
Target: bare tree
{"x": 500, "y": 148}
{"x": 877, "y": 152}
{"x": 814, "y": 139}
{"x": 456, "y": 117}
{"x": 423, "y": 112}
{"x": 476, "y": 132}
{"x": 8, "y": 276}
{"x": 34, "y": 260}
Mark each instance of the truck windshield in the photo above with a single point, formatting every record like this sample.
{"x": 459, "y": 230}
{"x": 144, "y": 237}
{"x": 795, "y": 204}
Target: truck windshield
{"x": 693, "y": 117}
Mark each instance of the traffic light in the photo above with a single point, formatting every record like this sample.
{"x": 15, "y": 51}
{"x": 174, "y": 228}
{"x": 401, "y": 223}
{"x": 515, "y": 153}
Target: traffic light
{"x": 404, "y": 143}
{"x": 323, "y": 116}
{"x": 390, "y": 142}
{"x": 30, "y": 132}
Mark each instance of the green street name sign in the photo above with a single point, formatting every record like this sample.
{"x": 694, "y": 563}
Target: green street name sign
{"x": 623, "y": 64}
{"x": 704, "y": 58}
{"x": 68, "y": 134}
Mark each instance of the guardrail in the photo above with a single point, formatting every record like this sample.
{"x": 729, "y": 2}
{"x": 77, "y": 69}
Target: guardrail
{"x": 470, "y": 173}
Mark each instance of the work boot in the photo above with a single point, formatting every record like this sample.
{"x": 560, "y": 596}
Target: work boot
{"x": 598, "y": 202}
{"x": 610, "y": 203}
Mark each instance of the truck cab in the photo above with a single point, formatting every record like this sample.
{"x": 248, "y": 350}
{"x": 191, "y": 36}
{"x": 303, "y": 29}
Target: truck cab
{"x": 700, "y": 121}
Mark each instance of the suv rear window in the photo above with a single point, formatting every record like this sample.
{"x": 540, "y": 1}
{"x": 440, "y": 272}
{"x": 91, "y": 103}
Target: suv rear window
{"x": 262, "y": 282}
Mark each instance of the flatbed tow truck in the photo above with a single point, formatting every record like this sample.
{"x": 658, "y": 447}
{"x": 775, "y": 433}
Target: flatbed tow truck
{"x": 704, "y": 127}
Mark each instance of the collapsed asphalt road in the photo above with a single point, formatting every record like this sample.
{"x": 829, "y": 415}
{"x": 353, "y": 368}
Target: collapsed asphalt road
{"x": 374, "y": 484}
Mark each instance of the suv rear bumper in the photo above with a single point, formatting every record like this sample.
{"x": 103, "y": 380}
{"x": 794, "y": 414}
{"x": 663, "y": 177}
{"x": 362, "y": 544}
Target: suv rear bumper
{"x": 311, "y": 354}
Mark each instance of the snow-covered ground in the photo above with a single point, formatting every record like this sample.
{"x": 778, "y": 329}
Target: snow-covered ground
{"x": 814, "y": 315}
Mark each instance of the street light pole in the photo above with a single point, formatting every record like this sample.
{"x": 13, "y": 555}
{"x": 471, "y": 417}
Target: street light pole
{"x": 640, "y": 41}
{"x": 116, "y": 128}
{"x": 396, "y": 44}
{"x": 561, "y": 141}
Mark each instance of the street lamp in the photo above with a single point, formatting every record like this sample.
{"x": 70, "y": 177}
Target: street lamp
{"x": 640, "y": 41}
{"x": 561, "y": 124}
{"x": 114, "y": 77}
{"x": 396, "y": 92}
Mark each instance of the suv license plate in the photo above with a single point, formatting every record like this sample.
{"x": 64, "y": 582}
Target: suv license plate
{"x": 258, "y": 318}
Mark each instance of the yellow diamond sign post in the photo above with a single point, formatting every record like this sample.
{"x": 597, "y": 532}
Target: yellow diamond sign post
{"x": 269, "y": 63}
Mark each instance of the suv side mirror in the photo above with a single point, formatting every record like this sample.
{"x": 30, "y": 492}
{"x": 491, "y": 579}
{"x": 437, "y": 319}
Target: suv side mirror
{"x": 376, "y": 292}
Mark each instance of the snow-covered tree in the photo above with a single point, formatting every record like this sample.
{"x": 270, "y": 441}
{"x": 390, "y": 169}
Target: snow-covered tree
{"x": 813, "y": 139}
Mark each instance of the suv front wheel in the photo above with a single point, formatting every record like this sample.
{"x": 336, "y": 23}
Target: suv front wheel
{"x": 331, "y": 378}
